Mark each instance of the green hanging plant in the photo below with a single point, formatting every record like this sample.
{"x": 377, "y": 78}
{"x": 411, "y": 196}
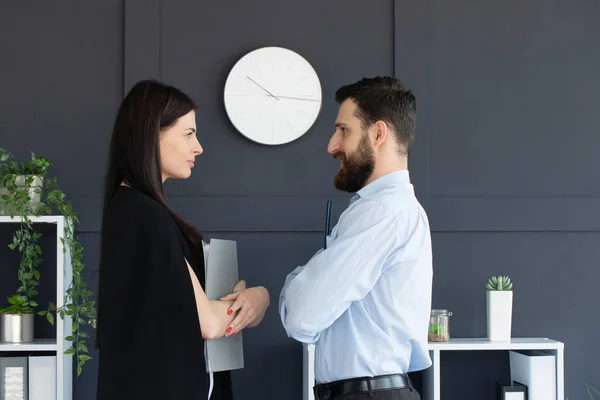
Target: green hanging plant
{"x": 27, "y": 191}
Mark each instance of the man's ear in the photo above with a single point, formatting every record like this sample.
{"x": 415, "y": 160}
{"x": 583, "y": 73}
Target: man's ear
{"x": 380, "y": 133}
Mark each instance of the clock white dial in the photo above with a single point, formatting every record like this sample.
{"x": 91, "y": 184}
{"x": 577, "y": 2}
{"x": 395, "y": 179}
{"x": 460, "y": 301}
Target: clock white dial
{"x": 273, "y": 96}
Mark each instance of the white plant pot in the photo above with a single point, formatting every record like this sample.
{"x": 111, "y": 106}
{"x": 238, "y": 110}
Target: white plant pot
{"x": 34, "y": 191}
{"x": 16, "y": 328}
{"x": 499, "y": 315}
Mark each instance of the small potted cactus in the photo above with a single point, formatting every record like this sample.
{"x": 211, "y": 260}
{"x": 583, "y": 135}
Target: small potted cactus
{"x": 499, "y": 308}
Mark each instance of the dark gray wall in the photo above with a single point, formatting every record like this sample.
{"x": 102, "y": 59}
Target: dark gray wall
{"x": 504, "y": 163}
{"x": 506, "y": 167}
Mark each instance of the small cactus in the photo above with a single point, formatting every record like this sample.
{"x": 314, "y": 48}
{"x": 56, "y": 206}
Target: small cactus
{"x": 499, "y": 283}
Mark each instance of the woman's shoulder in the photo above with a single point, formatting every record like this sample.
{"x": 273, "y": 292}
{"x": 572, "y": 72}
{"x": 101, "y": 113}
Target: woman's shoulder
{"x": 130, "y": 206}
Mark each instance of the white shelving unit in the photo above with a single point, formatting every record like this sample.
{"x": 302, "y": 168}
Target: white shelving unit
{"x": 431, "y": 376}
{"x": 64, "y": 275}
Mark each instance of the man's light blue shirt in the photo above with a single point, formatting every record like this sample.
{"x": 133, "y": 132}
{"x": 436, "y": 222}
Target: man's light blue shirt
{"x": 366, "y": 299}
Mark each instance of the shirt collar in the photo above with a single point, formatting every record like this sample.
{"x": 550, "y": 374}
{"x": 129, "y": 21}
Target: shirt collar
{"x": 400, "y": 177}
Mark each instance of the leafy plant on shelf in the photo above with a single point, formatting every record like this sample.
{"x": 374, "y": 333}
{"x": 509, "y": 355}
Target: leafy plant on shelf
{"x": 28, "y": 191}
{"x": 438, "y": 329}
{"x": 499, "y": 283}
{"x": 18, "y": 305}
{"x": 17, "y": 181}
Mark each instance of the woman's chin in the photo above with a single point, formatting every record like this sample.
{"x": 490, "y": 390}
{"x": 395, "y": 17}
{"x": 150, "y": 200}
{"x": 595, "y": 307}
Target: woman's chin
{"x": 180, "y": 175}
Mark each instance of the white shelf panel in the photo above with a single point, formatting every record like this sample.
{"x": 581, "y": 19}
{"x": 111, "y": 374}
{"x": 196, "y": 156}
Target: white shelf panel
{"x": 64, "y": 276}
{"x": 431, "y": 375}
{"x": 36, "y": 345}
{"x": 484, "y": 344}
{"x": 50, "y": 219}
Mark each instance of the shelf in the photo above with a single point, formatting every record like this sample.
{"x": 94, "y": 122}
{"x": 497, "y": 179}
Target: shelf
{"x": 484, "y": 344}
{"x": 431, "y": 375}
{"x": 62, "y": 327}
{"x": 50, "y": 219}
{"x": 36, "y": 345}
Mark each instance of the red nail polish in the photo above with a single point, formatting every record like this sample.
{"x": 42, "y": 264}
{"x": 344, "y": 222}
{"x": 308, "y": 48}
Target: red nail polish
{"x": 228, "y": 329}
{"x": 229, "y": 312}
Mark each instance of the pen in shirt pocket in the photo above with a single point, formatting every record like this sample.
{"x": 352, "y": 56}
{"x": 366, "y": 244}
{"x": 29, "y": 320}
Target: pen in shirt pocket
{"x": 327, "y": 223}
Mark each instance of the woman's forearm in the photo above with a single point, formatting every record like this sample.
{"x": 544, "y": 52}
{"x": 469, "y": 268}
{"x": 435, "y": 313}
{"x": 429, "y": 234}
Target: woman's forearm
{"x": 221, "y": 317}
{"x": 213, "y": 314}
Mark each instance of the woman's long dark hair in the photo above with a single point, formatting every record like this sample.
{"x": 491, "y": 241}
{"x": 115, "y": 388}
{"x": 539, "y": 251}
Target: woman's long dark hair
{"x": 134, "y": 153}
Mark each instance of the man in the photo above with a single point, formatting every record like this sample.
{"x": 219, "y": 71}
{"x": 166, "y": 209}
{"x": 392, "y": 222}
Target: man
{"x": 365, "y": 299}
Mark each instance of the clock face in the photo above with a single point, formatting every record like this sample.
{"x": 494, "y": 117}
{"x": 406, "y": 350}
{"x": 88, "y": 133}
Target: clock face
{"x": 272, "y": 96}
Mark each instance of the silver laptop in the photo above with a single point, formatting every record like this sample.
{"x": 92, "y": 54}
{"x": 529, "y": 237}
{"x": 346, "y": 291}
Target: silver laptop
{"x": 221, "y": 268}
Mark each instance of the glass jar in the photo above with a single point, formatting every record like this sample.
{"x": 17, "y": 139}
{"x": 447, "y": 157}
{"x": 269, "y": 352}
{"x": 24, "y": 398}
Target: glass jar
{"x": 439, "y": 325}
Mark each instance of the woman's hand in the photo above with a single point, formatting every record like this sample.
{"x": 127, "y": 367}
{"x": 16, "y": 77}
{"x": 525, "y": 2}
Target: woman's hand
{"x": 249, "y": 304}
{"x": 240, "y": 286}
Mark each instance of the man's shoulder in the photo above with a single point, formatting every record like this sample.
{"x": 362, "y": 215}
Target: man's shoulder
{"x": 401, "y": 211}
{"x": 393, "y": 202}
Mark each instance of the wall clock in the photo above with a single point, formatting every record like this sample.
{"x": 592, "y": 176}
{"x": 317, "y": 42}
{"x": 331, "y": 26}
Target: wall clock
{"x": 272, "y": 95}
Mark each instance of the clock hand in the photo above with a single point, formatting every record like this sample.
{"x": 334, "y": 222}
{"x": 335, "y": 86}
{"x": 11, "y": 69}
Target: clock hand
{"x": 270, "y": 94}
{"x": 296, "y": 98}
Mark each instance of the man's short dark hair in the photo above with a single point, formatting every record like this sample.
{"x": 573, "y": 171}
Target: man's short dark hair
{"x": 384, "y": 98}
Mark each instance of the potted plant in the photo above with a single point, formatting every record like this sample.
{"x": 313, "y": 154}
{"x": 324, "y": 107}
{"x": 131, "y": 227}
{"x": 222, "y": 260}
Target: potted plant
{"x": 27, "y": 191}
{"x": 16, "y": 320}
{"x": 439, "y": 325}
{"x": 20, "y": 191}
{"x": 21, "y": 179}
{"x": 499, "y": 308}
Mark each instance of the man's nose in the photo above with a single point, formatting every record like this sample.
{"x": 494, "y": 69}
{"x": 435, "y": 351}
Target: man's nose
{"x": 333, "y": 144}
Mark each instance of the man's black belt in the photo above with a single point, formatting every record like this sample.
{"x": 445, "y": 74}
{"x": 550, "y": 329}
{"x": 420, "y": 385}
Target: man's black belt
{"x": 361, "y": 385}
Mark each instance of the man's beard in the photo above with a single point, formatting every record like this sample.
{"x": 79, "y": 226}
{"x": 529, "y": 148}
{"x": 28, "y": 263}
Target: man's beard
{"x": 356, "y": 168}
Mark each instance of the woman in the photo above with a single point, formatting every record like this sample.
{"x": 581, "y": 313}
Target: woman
{"x": 153, "y": 314}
